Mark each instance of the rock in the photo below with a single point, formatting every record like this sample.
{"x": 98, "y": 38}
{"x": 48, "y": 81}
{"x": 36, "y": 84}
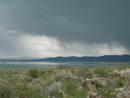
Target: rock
{"x": 28, "y": 78}
{"x": 83, "y": 77}
{"x": 109, "y": 75}
{"x": 80, "y": 87}
{"x": 125, "y": 78}
{"x": 61, "y": 94}
{"x": 103, "y": 78}
{"x": 91, "y": 84}
{"x": 2, "y": 80}
{"x": 94, "y": 95}
{"x": 16, "y": 89}
{"x": 104, "y": 84}
{"x": 120, "y": 93}
{"x": 96, "y": 76}
{"x": 89, "y": 77}
{"x": 12, "y": 75}
{"x": 81, "y": 72}
{"x": 21, "y": 96}
{"x": 31, "y": 75}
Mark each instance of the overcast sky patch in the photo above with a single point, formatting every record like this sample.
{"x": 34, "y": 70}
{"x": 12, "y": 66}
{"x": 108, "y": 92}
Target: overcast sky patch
{"x": 64, "y": 28}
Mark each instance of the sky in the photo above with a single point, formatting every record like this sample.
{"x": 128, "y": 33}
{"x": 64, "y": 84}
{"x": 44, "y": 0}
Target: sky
{"x": 50, "y": 28}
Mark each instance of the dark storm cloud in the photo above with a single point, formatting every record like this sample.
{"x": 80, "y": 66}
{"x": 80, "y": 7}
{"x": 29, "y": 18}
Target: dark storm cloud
{"x": 10, "y": 46}
{"x": 86, "y": 21}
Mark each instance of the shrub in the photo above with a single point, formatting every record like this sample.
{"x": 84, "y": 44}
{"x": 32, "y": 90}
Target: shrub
{"x": 72, "y": 92}
{"x": 87, "y": 69}
{"x": 63, "y": 67}
{"x": 73, "y": 71}
{"x": 66, "y": 80}
{"x": 57, "y": 77}
{"x": 5, "y": 91}
{"x": 50, "y": 71}
{"x": 115, "y": 82}
{"x": 69, "y": 87}
{"x": 106, "y": 94}
{"x": 53, "y": 89}
{"x": 119, "y": 82}
{"x": 123, "y": 67}
{"x": 28, "y": 78}
{"x": 61, "y": 75}
{"x": 82, "y": 72}
{"x": 34, "y": 72}
{"x": 89, "y": 74}
{"x": 46, "y": 83}
{"x": 99, "y": 71}
{"x": 42, "y": 72}
{"x": 31, "y": 94}
{"x": 20, "y": 85}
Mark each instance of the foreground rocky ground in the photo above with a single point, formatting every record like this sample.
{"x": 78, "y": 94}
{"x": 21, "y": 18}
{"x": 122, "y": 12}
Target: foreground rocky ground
{"x": 66, "y": 82}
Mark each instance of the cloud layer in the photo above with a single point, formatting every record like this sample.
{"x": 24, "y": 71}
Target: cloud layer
{"x": 86, "y": 23}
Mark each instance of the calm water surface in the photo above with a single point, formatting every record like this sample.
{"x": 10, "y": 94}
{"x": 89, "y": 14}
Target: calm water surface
{"x": 50, "y": 65}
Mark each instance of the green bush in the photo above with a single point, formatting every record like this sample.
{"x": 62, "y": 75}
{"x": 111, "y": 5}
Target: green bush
{"x": 116, "y": 81}
{"x": 119, "y": 82}
{"x": 5, "y": 91}
{"x": 73, "y": 71}
{"x": 99, "y": 71}
{"x": 72, "y": 92}
{"x": 34, "y": 72}
{"x": 87, "y": 69}
{"x": 42, "y": 72}
{"x": 107, "y": 93}
{"x": 82, "y": 72}
{"x": 89, "y": 74}
{"x": 66, "y": 80}
{"x": 50, "y": 71}
{"x": 123, "y": 67}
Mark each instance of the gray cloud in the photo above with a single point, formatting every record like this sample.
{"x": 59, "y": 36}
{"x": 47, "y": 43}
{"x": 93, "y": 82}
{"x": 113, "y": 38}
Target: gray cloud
{"x": 86, "y": 21}
{"x": 9, "y": 46}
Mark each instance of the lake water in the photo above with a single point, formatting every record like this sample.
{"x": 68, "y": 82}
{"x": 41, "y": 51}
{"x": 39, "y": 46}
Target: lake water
{"x": 51, "y": 65}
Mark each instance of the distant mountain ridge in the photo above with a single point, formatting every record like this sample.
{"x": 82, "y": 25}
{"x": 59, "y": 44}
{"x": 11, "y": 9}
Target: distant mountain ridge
{"x": 91, "y": 58}
{"x": 75, "y": 58}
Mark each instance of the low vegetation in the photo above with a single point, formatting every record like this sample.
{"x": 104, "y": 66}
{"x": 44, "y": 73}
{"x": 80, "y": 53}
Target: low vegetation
{"x": 46, "y": 83}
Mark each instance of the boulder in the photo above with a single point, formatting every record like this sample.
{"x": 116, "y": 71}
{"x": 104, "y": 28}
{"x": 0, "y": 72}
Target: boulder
{"x": 125, "y": 78}
{"x": 94, "y": 95}
{"x": 91, "y": 84}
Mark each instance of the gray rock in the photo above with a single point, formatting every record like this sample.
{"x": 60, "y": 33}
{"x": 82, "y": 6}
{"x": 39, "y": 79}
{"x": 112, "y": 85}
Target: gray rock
{"x": 2, "y": 80}
{"x": 109, "y": 75}
{"x": 94, "y": 95}
{"x": 91, "y": 84}
{"x": 125, "y": 91}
